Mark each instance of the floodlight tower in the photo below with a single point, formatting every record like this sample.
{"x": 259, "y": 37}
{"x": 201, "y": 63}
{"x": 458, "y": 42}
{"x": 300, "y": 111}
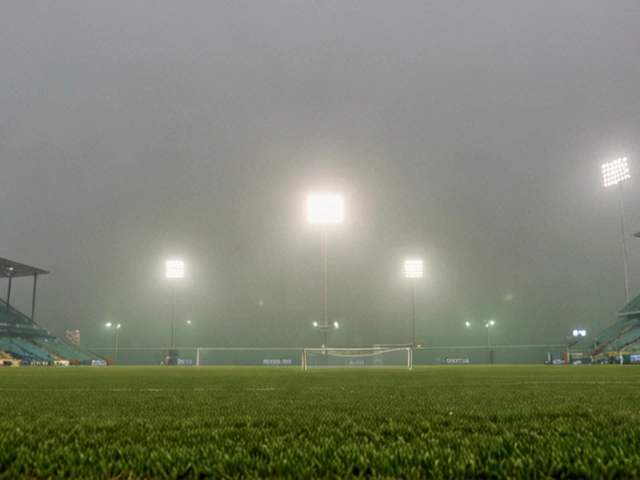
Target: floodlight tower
{"x": 115, "y": 355}
{"x": 325, "y": 209}
{"x": 613, "y": 173}
{"x": 174, "y": 271}
{"x": 576, "y": 336}
{"x": 325, "y": 329}
{"x": 188, "y": 327}
{"x": 413, "y": 269}
{"x": 490, "y": 324}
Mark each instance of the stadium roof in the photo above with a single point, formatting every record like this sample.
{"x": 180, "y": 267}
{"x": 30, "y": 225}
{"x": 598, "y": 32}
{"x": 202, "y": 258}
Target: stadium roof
{"x": 10, "y": 268}
{"x": 631, "y": 309}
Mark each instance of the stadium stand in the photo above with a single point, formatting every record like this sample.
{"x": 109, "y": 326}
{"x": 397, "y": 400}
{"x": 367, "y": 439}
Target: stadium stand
{"x": 619, "y": 343}
{"x": 22, "y": 340}
{"x": 65, "y": 351}
{"x": 8, "y": 360}
{"x": 28, "y": 353}
{"x": 33, "y": 350}
{"x": 13, "y": 321}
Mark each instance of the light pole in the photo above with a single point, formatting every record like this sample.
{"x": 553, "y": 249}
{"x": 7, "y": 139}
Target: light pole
{"x": 115, "y": 354}
{"x": 490, "y": 324}
{"x": 577, "y": 335}
{"x": 174, "y": 270}
{"x": 613, "y": 173}
{"x": 413, "y": 269}
{"x": 188, "y": 322}
{"x": 325, "y": 209}
{"x": 325, "y": 329}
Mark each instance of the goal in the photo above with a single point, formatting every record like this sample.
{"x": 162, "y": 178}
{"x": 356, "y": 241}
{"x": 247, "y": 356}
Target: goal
{"x": 357, "y": 357}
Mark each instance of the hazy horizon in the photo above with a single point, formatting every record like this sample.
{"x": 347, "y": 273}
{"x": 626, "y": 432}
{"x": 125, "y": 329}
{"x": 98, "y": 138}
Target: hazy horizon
{"x": 470, "y": 135}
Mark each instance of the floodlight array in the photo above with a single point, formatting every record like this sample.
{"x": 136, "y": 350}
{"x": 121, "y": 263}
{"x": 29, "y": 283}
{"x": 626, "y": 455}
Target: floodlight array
{"x": 325, "y": 208}
{"x": 325, "y": 327}
{"x": 615, "y": 172}
{"x": 413, "y": 268}
{"x": 175, "y": 269}
{"x": 579, "y": 333}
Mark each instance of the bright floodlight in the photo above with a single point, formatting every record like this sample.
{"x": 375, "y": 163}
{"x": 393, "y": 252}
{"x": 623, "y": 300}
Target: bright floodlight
{"x": 468, "y": 324}
{"x": 325, "y": 208}
{"x": 108, "y": 324}
{"x": 413, "y": 268}
{"x": 490, "y": 323}
{"x": 579, "y": 333}
{"x": 336, "y": 324}
{"x": 175, "y": 269}
{"x": 315, "y": 324}
{"x": 615, "y": 172}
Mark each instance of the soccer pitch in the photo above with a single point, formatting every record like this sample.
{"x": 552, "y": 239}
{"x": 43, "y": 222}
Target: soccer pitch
{"x": 211, "y": 422}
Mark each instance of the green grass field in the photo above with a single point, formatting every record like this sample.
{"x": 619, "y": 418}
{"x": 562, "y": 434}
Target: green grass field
{"x": 433, "y": 422}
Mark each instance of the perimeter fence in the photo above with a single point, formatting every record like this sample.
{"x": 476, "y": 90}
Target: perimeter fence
{"x": 256, "y": 356}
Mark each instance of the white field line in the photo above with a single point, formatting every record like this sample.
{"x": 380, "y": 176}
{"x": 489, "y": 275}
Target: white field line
{"x": 62, "y": 389}
{"x": 369, "y": 387}
{"x": 488, "y": 384}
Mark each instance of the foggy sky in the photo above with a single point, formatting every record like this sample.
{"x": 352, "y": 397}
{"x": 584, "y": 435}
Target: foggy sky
{"x": 469, "y": 134}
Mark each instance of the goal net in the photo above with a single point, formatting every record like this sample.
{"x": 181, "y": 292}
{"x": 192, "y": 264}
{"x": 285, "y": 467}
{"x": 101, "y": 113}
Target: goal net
{"x": 357, "y": 357}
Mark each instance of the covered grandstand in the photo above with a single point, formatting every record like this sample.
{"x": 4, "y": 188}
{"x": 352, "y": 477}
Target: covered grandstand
{"x": 619, "y": 343}
{"x": 22, "y": 340}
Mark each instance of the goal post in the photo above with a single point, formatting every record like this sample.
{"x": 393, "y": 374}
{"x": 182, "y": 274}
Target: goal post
{"x": 357, "y": 357}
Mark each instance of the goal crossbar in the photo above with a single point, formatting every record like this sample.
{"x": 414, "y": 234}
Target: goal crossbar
{"x": 362, "y": 352}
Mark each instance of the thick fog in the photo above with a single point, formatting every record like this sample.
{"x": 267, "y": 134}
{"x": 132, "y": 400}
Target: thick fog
{"x": 468, "y": 134}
